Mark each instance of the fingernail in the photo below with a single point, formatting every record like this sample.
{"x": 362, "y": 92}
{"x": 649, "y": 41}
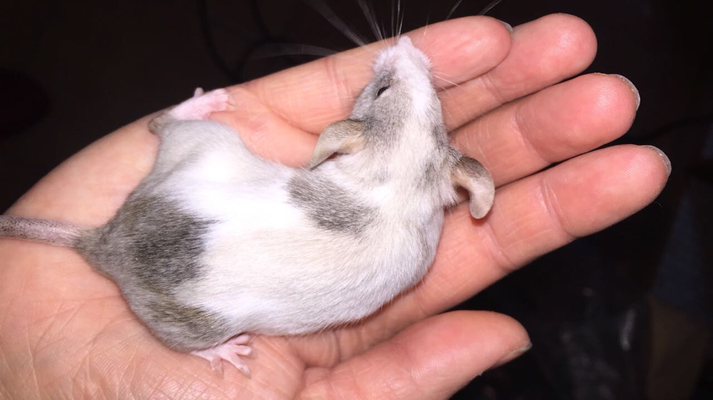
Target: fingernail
{"x": 507, "y": 26}
{"x": 513, "y": 355}
{"x": 663, "y": 157}
{"x": 632, "y": 87}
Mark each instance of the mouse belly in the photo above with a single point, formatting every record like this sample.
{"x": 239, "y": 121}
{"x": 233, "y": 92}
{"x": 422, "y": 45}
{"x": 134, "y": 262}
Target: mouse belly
{"x": 299, "y": 278}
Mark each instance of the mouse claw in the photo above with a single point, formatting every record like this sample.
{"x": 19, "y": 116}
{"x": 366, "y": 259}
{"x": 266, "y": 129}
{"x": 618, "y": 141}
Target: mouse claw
{"x": 216, "y": 365}
{"x": 229, "y": 351}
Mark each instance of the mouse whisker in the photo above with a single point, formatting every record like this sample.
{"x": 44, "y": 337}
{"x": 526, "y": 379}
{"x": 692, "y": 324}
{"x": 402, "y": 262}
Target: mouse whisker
{"x": 441, "y": 77}
{"x": 337, "y": 22}
{"x": 287, "y": 49}
{"x": 448, "y": 112}
{"x": 370, "y": 18}
{"x": 393, "y": 30}
{"x": 450, "y": 14}
{"x": 382, "y": 25}
{"x": 428, "y": 18}
{"x": 489, "y": 7}
{"x": 403, "y": 15}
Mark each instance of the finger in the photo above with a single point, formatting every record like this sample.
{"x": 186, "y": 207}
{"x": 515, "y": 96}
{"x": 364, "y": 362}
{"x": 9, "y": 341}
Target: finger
{"x": 552, "y": 125}
{"x": 538, "y": 214}
{"x": 430, "y": 360}
{"x": 543, "y": 52}
{"x": 316, "y": 94}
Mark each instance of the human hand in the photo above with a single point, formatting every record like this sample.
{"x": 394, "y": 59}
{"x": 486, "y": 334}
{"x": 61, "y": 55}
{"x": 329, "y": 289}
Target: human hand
{"x": 66, "y": 331}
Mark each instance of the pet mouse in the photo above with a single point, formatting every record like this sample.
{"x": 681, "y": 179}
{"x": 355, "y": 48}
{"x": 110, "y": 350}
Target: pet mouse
{"x": 216, "y": 244}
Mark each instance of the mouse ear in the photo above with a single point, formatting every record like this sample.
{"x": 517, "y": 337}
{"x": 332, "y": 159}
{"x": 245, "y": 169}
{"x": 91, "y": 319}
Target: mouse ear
{"x": 472, "y": 175}
{"x": 344, "y": 136}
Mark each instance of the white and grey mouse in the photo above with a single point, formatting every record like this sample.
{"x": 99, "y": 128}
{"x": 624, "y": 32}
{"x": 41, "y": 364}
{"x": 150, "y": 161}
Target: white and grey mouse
{"x": 216, "y": 242}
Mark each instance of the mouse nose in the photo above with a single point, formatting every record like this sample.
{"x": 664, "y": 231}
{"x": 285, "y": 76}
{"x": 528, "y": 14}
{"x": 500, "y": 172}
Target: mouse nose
{"x": 405, "y": 41}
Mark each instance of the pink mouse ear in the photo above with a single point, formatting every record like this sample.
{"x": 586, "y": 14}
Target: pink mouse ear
{"x": 472, "y": 175}
{"x": 346, "y": 136}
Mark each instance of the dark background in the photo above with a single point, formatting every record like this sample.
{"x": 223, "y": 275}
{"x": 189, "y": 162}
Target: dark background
{"x": 623, "y": 314}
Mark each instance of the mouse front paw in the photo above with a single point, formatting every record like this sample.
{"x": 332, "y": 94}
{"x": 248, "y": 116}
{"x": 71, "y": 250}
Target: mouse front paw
{"x": 201, "y": 105}
{"x": 229, "y": 351}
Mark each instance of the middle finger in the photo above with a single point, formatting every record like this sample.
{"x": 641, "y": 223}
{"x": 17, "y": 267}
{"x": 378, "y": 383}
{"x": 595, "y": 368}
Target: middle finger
{"x": 552, "y": 125}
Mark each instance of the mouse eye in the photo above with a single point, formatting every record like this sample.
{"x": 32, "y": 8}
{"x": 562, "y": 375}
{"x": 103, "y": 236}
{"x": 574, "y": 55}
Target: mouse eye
{"x": 381, "y": 90}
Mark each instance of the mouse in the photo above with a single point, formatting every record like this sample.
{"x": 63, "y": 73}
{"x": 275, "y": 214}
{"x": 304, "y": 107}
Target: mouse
{"x": 216, "y": 244}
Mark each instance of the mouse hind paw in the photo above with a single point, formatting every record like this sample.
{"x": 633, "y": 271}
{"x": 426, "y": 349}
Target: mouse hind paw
{"x": 198, "y": 107}
{"x": 230, "y": 351}
{"x": 201, "y": 105}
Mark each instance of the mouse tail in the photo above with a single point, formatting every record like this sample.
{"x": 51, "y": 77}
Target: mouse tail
{"x": 40, "y": 230}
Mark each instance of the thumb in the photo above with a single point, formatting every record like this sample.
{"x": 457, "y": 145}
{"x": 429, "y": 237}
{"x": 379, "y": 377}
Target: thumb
{"x": 429, "y": 360}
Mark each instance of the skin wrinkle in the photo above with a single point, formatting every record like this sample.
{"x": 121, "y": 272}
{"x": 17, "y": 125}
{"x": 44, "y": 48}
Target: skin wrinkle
{"x": 412, "y": 378}
{"x": 522, "y": 131}
{"x": 439, "y": 294}
{"x": 500, "y": 257}
{"x": 352, "y": 375}
{"x": 252, "y": 91}
{"x": 4, "y": 391}
{"x": 340, "y": 83}
{"x": 482, "y": 156}
{"x": 493, "y": 89}
{"x": 285, "y": 370}
{"x": 527, "y": 225}
{"x": 358, "y": 345}
{"x": 84, "y": 374}
{"x": 242, "y": 98}
{"x": 554, "y": 208}
{"x": 337, "y": 347}
{"x": 263, "y": 93}
{"x": 327, "y": 358}
{"x": 45, "y": 332}
{"x": 408, "y": 379}
{"x": 73, "y": 311}
{"x": 447, "y": 113}
{"x": 128, "y": 373}
{"x": 32, "y": 361}
{"x": 423, "y": 311}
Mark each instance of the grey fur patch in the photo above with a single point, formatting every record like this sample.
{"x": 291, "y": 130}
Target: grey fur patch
{"x": 430, "y": 175}
{"x": 150, "y": 248}
{"x": 383, "y": 117}
{"x": 330, "y": 206}
{"x": 184, "y": 327}
{"x": 151, "y": 241}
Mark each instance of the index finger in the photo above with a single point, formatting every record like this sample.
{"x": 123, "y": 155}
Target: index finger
{"x": 313, "y": 95}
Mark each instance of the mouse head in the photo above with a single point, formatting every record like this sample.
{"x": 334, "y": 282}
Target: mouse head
{"x": 400, "y": 94}
{"x": 398, "y": 116}
{"x": 398, "y": 104}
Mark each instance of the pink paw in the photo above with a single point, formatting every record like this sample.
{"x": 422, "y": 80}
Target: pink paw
{"x": 229, "y": 351}
{"x": 201, "y": 105}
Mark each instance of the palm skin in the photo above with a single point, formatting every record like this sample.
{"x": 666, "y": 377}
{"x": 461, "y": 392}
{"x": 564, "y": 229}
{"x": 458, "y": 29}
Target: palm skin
{"x": 66, "y": 331}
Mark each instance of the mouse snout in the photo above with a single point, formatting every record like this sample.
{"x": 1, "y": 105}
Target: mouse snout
{"x": 409, "y": 52}
{"x": 403, "y": 56}
{"x": 405, "y": 41}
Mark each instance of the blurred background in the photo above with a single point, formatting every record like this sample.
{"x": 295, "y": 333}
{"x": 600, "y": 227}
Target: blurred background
{"x": 626, "y": 314}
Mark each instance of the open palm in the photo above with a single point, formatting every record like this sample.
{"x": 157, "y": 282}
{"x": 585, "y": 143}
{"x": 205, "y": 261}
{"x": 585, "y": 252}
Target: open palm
{"x": 65, "y": 330}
